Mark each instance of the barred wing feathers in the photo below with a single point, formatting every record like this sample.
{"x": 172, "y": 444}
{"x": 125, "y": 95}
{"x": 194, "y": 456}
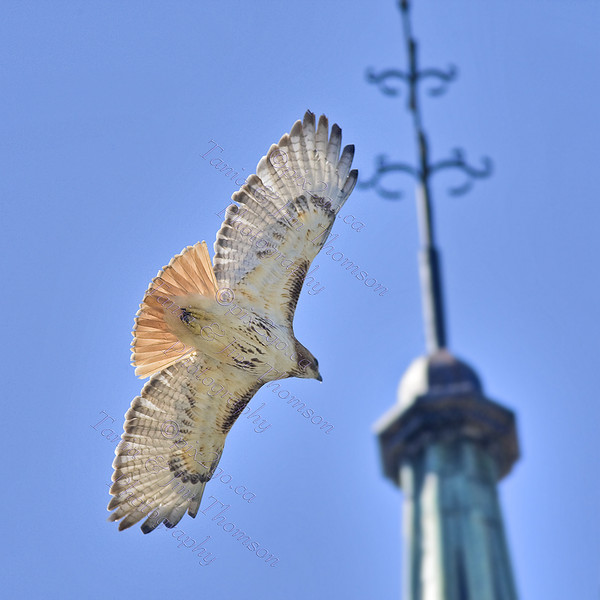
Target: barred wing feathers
{"x": 174, "y": 436}
{"x": 286, "y": 210}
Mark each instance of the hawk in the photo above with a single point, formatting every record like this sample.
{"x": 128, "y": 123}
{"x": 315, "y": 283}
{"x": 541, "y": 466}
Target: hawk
{"x": 209, "y": 335}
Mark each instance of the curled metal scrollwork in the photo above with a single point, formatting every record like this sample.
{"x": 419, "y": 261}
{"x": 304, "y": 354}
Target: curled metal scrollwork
{"x": 436, "y": 82}
{"x": 444, "y": 79}
{"x": 383, "y": 167}
{"x": 458, "y": 162}
{"x": 382, "y": 79}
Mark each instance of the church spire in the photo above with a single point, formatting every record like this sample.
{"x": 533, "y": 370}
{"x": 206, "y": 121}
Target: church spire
{"x": 444, "y": 443}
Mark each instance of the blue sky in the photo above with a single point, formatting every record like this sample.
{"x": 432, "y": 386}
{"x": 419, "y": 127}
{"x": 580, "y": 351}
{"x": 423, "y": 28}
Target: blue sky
{"x": 107, "y": 109}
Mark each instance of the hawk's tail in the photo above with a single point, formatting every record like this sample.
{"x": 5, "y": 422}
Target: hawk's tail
{"x": 190, "y": 272}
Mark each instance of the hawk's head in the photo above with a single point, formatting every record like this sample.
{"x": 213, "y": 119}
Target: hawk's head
{"x": 307, "y": 364}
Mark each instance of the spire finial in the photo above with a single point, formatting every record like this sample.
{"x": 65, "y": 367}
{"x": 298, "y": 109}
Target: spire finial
{"x": 429, "y": 260}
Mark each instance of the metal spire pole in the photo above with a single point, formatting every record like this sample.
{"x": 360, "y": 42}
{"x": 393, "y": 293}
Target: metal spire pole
{"x": 429, "y": 265}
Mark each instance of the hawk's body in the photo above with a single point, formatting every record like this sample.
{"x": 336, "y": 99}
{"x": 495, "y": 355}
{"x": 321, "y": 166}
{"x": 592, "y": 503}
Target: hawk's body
{"x": 211, "y": 337}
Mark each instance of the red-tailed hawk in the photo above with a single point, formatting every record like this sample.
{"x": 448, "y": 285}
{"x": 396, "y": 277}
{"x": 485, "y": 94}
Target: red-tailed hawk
{"x": 210, "y": 337}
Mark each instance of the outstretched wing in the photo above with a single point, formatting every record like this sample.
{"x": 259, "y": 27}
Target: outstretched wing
{"x": 174, "y": 436}
{"x": 266, "y": 244}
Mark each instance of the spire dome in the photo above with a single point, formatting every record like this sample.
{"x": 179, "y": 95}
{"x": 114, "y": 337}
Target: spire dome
{"x": 438, "y": 374}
